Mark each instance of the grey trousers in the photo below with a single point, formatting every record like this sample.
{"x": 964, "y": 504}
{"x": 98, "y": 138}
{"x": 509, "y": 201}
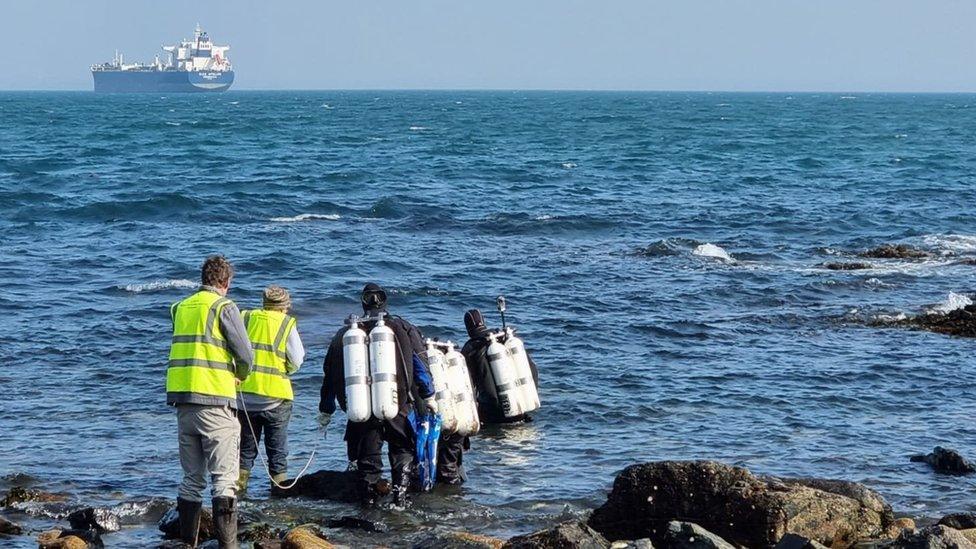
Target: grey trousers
{"x": 209, "y": 443}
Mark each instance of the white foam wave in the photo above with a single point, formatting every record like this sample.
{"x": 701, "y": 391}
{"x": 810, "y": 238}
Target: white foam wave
{"x": 544, "y": 217}
{"x": 173, "y": 124}
{"x": 951, "y": 243}
{"x": 158, "y": 285}
{"x": 235, "y": 102}
{"x": 418, "y": 128}
{"x": 569, "y": 165}
{"x": 306, "y": 217}
{"x": 952, "y": 302}
{"x": 327, "y": 106}
{"x": 711, "y": 250}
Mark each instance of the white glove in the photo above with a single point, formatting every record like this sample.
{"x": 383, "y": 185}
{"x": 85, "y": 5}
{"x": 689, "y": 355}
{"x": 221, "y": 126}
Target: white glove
{"x": 324, "y": 420}
{"x": 431, "y": 405}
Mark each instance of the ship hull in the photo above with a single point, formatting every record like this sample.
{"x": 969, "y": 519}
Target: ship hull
{"x": 109, "y": 81}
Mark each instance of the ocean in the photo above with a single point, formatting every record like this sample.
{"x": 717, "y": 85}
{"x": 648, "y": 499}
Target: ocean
{"x": 662, "y": 255}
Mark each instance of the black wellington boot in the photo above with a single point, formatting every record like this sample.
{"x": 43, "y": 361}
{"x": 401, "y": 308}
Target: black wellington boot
{"x": 189, "y": 513}
{"x": 225, "y": 522}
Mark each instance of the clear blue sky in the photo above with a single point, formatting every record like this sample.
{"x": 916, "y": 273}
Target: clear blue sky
{"x": 841, "y": 45}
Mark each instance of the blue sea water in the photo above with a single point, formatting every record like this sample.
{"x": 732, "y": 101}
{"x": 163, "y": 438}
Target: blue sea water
{"x": 661, "y": 254}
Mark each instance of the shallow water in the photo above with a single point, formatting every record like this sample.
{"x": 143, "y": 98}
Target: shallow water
{"x": 660, "y": 253}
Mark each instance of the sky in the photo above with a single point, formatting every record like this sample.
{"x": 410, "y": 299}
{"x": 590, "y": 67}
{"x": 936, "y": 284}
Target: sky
{"x": 720, "y": 45}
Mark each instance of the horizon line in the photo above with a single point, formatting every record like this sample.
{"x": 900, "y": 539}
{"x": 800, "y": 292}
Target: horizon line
{"x": 511, "y": 90}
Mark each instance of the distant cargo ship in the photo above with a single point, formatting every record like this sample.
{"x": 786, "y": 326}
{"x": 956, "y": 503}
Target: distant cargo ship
{"x": 192, "y": 66}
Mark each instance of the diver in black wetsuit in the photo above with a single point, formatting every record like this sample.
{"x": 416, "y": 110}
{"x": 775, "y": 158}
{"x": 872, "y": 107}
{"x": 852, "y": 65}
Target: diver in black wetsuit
{"x": 364, "y": 441}
{"x": 450, "y": 452}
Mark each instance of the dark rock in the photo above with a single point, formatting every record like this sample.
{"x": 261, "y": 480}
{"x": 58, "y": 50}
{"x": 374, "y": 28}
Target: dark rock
{"x": 793, "y": 541}
{"x": 946, "y": 461}
{"x": 69, "y": 539}
{"x": 173, "y": 544}
{"x": 957, "y": 322}
{"x": 356, "y": 523}
{"x": 932, "y": 537}
{"x": 736, "y": 505}
{"x": 573, "y": 534}
{"x": 19, "y": 494}
{"x": 92, "y": 537}
{"x": 959, "y": 521}
{"x": 141, "y": 511}
{"x": 895, "y": 251}
{"x": 209, "y": 544}
{"x": 260, "y": 531}
{"x": 91, "y": 518}
{"x": 169, "y": 525}
{"x": 269, "y": 544}
{"x": 10, "y": 528}
{"x": 685, "y": 535}
{"x": 339, "y": 486}
{"x": 459, "y": 540}
{"x": 847, "y": 266}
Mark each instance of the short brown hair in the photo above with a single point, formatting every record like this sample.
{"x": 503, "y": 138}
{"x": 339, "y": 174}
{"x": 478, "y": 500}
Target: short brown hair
{"x": 216, "y": 271}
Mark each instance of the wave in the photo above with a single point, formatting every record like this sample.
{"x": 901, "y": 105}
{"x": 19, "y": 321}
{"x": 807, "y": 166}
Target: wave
{"x": 418, "y": 128}
{"x": 711, "y": 250}
{"x": 951, "y": 243}
{"x": 952, "y": 302}
{"x": 569, "y": 165}
{"x": 159, "y": 285}
{"x": 306, "y": 217}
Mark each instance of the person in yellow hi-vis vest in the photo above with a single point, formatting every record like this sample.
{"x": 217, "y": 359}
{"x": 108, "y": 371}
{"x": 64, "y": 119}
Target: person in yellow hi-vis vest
{"x": 209, "y": 354}
{"x": 266, "y": 396}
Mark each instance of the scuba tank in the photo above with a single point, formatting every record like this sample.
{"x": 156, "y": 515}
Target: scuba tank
{"x": 437, "y": 363}
{"x": 382, "y": 367}
{"x": 465, "y": 408}
{"x": 506, "y": 379}
{"x": 356, "y": 373}
{"x": 527, "y": 389}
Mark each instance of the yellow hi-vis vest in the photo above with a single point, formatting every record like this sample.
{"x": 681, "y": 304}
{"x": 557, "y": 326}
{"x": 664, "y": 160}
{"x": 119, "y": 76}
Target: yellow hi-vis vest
{"x": 199, "y": 361}
{"x": 268, "y": 332}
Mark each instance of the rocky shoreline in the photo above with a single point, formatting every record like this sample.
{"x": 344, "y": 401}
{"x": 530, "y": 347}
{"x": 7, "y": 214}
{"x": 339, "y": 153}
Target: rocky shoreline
{"x": 669, "y": 504}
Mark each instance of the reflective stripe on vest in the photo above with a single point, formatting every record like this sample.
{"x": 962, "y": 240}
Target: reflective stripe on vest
{"x": 199, "y": 361}
{"x": 268, "y": 332}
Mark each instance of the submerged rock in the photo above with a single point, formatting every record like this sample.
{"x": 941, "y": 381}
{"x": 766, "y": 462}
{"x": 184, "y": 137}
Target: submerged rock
{"x": 459, "y": 540}
{"x": 932, "y": 537}
{"x": 305, "y": 537}
{"x": 946, "y": 461}
{"x": 847, "y": 266}
{"x": 356, "y": 523}
{"x": 895, "y": 251}
{"x": 686, "y": 535}
{"x": 575, "y": 534}
{"x": 9, "y": 528}
{"x": 339, "y": 486}
{"x": 737, "y": 506}
{"x": 91, "y": 518}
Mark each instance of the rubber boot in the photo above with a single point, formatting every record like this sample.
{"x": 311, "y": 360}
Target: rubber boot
{"x": 279, "y": 479}
{"x": 242, "y": 479}
{"x": 189, "y": 513}
{"x": 225, "y": 522}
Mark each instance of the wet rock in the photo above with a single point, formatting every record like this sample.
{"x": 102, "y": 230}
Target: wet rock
{"x": 268, "y": 544}
{"x": 793, "y": 541}
{"x": 959, "y": 521}
{"x": 169, "y": 525}
{"x": 932, "y": 537}
{"x": 573, "y": 534}
{"x": 957, "y": 322}
{"x": 69, "y": 539}
{"x": 91, "y": 518}
{"x": 356, "y": 523}
{"x": 737, "y": 506}
{"x": 305, "y": 537}
{"x": 632, "y": 544}
{"x": 141, "y": 511}
{"x": 173, "y": 544}
{"x": 209, "y": 544}
{"x": 19, "y": 494}
{"x": 847, "y": 266}
{"x": 332, "y": 485}
{"x": 260, "y": 531}
{"x": 686, "y": 535}
{"x": 895, "y": 251}
{"x": 946, "y": 461}
{"x": 8, "y": 528}
{"x": 459, "y": 540}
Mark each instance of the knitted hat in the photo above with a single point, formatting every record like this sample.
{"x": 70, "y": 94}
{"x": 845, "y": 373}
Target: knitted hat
{"x": 276, "y": 298}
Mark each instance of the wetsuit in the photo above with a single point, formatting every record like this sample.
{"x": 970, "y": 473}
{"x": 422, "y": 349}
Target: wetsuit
{"x": 364, "y": 441}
